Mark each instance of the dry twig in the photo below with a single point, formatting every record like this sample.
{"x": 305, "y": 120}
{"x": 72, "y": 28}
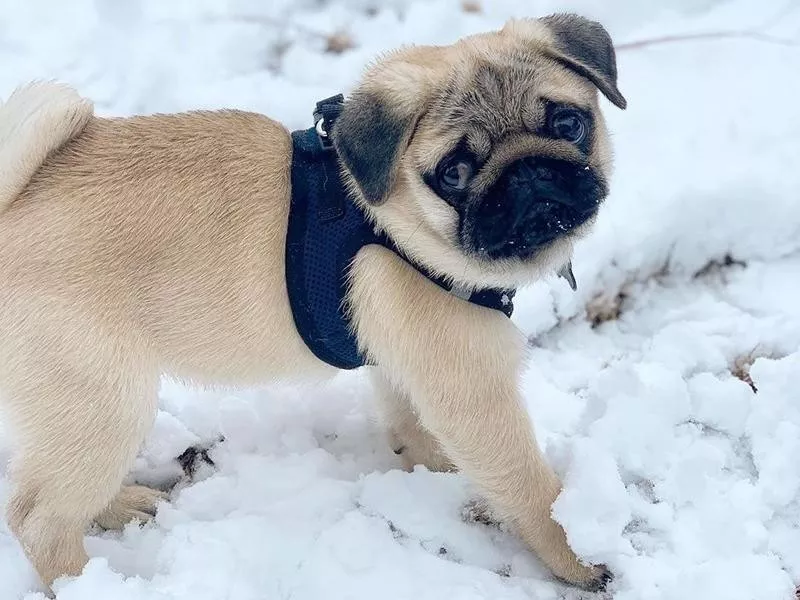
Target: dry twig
{"x": 756, "y": 33}
{"x": 471, "y": 6}
{"x": 741, "y": 370}
{"x": 605, "y": 307}
{"x": 335, "y": 43}
{"x": 707, "y": 36}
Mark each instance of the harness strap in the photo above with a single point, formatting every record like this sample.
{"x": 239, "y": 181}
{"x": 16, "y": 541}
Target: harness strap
{"x": 326, "y": 230}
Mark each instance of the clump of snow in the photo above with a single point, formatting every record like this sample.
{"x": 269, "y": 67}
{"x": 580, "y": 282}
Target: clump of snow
{"x": 676, "y": 473}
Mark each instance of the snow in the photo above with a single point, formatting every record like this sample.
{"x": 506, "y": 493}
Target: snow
{"x": 676, "y": 474}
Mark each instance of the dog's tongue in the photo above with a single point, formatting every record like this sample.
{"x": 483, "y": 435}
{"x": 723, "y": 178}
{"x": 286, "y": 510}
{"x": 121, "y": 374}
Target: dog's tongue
{"x": 566, "y": 273}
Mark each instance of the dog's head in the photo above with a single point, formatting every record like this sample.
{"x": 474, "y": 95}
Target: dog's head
{"x": 487, "y": 159}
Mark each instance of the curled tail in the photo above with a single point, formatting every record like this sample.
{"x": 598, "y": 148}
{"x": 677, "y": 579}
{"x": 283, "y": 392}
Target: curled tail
{"x": 37, "y": 119}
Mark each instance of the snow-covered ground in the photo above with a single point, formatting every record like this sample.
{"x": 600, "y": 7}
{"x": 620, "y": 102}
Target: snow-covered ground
{"x": 677, "y": 474}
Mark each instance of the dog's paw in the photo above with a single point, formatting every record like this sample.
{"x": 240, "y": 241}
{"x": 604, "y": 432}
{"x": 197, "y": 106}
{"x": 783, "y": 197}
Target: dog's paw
{"x": 602, "y": 577}
{"x": 133, "y": 502}
{"x": 594, "y": 578}
{"x": 478, "y": 511}
{"x": 420, "y": 449}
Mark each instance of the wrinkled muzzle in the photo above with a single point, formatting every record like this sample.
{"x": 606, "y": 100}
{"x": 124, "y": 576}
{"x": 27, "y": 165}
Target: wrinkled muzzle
{"x": 535, "y": 201}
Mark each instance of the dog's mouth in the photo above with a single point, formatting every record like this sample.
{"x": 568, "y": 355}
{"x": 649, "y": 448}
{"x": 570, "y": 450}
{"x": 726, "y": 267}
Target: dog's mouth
{"x": 500, "y": 237}
{"x": 536, "y": 202}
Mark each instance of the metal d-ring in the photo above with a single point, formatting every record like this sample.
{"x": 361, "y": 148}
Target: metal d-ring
{"x": 323, "y": 136}
{"x": 320, "y": 127}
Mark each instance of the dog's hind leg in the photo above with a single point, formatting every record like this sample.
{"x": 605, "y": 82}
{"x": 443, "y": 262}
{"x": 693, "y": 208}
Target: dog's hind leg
{"x": 79, "y": 417}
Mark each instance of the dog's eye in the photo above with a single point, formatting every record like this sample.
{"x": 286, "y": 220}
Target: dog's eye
{"x": 456, "y": 175}
{"x": 569, "y": 125}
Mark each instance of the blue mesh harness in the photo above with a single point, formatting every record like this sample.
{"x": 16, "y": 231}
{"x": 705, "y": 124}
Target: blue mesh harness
{"x": 326, "y": 229}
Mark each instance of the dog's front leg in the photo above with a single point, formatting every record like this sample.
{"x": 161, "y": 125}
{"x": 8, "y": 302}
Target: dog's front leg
{"x": 461, "y": 363}
{"x": 407, "y": 436}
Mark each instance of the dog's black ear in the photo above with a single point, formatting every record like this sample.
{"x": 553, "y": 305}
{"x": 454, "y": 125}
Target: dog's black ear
{"x": 370, "y": 139}
{"x": 586, "y": 47}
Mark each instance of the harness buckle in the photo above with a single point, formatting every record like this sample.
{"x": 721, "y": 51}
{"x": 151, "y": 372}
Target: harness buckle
{"x": 325, "y": 115}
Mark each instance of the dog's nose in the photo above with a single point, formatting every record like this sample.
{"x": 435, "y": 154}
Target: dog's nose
{"x": 536, "y": 179}
{"x": 534, "y": 202}
{"x": 535, "y": 169}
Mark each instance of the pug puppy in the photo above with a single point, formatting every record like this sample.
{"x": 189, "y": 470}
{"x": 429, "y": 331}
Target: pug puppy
{"x": 136, "y": 247}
